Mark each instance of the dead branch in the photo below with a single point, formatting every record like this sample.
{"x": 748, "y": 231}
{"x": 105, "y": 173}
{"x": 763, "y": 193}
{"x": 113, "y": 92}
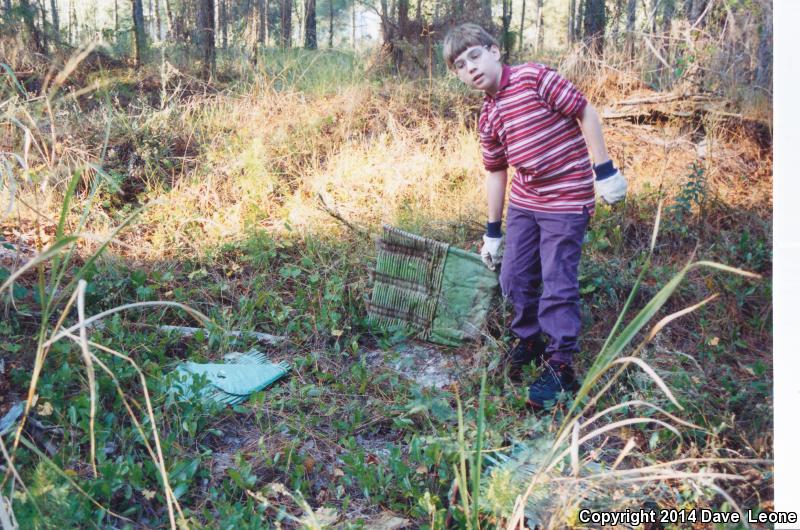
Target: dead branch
{"x": 264, "y": 338}
{"x": 665, "y": 98}
{"x": 336, "y": 215}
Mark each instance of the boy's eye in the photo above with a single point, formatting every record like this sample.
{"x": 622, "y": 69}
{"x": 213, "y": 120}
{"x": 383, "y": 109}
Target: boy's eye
{"x": 459, "y": 65}
{"x": 474, "y": 54}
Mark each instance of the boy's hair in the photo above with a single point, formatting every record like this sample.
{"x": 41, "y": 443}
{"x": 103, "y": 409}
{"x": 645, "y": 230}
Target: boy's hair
{"x": 462, "y": 37}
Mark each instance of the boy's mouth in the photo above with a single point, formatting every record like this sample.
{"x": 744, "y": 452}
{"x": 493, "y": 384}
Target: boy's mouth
{"x": 477, "y": 78}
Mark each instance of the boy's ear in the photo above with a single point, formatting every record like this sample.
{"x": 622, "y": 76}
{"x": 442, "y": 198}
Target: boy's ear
{"x": 495, "y": 51}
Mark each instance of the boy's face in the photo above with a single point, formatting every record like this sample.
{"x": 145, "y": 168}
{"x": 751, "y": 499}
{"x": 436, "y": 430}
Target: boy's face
{"x": 480, "y": 67}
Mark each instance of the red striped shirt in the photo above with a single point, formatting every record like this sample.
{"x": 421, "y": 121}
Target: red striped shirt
{"x": 531, "y": 124}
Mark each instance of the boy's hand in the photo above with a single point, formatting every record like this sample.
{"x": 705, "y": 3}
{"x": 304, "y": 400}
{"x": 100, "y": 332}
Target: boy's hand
{"x": 492, "y": 251}
{"x": 612, "y": 188}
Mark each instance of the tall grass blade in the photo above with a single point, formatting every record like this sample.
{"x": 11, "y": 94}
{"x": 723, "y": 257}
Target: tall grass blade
{"x": 14, "y": 81}
{"x": 40, "y": 258}
{"x": 106, "y": 177}
{"x": 87, "y": 359}
{"x": 638, "y": 281}
{"x": 68, "y": 193}
{"x": 461, "y": 470}
{"x": 476, "y": 467}
{"x": 669, "y": 318}
{"x": 653, "y": 375}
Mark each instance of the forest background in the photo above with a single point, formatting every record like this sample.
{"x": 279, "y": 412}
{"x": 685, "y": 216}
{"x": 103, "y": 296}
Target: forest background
{"x": 226, "y": 164}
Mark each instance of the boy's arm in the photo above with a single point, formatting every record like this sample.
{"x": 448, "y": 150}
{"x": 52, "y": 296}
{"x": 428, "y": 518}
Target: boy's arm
{"x": 492, "y": 249}
{"x": 611, "y": 184}
{"x": 593, "y": 133}
{"x": 496, "y": 193}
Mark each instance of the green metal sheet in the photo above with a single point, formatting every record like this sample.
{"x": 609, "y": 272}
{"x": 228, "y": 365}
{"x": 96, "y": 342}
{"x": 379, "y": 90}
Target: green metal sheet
{"x": 231, "y": 382}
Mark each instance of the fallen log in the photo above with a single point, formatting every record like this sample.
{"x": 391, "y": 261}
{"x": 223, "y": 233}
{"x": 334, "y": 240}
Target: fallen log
{"x": 264, "y": 338}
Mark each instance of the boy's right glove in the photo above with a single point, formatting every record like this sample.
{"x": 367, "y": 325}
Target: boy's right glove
{"x": 613, "y": 187}
{"x": 492, "y": 251}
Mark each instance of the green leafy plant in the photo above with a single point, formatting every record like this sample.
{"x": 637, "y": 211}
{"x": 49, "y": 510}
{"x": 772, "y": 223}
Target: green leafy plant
{"x": 689, "y": 203}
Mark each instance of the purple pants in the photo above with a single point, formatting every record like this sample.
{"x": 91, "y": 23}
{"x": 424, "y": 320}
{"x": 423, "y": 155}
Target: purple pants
{"x": 539, "y": 276}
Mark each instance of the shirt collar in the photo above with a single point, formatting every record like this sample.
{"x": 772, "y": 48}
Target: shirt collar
{"x": 505, "y": 77}
{"x": 505, "y": 80}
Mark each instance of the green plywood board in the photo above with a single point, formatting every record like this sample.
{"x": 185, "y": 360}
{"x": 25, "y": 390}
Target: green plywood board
{"x": 428, "y": 288}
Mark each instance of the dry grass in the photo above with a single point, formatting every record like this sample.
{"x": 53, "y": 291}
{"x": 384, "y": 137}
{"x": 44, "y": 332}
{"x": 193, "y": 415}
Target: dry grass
{"x": 402, "y": 153}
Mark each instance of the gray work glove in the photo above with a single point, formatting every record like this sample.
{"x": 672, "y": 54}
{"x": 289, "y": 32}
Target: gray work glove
{"x": 613, "y": 188}
{"x": 492, "y": 251}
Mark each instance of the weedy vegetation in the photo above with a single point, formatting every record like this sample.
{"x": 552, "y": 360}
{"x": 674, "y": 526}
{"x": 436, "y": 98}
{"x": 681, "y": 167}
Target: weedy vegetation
{"x": 135, "y": 199}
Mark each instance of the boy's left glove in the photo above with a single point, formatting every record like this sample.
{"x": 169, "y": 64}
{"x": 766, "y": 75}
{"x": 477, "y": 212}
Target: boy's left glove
{"x": 611, "y": 184}
{"x": 492, "y": 251}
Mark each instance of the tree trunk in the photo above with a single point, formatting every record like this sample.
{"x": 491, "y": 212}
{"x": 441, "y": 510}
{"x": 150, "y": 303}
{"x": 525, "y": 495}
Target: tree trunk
{"x": 140, "y": 39}
{"x": 151, "y": 20}
{"x": 402, "y": 18}
{"x": 330, "y": 23}
{"x": 7, "y": 8}
{"x": 56, "y": 30}
{"x": 170, "y": 22}
{"x": 594, "y": 20}
{"x": 615, "y": 23}
{"x": 669, "y": 12}
{"x": 666, "y": 28}
{"x": 223, "y": 22}
{"x": 539, "y": 24}
{"x": 267, "y": 30}
{"x": 262, "y": 22}
{"x": 116, "y": 20}
{"x": 311, "y": 24}
{"x": 402, "y": 29}
{"x": 506, "y": 29}
{"x": 206, "y": 23}
{"x": 70, "y": 10}
{"x": 43, "y": 12}
{"x": 74, "y": 26}
{"x": 764, "y": 53}
{"x": 630, "y": 26}
{"x": 299, "y": 9}
{"x": 571, "y": 22}
{"x": 286, "y": 23}
{"x": 521, "y": 26}
{"x": 418, "y": 14}
{"x": 486, "y": 13}
{"x": 386, "y": 31}
{"x": 354, "y": 22}
{"x": 183, "y": 22}
{"x": 76, "y": 30}
{"x": 698, "y": 6}
{"x": 158, "y": 19}
{"x": 579, "y": 11}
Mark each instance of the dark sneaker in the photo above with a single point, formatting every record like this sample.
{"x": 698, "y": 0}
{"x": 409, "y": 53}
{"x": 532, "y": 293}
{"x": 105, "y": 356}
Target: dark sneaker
{"x": 555, "y": 378}
{"x": 524, "y": 353}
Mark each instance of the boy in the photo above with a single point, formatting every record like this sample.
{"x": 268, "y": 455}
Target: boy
{"x": 538, "y": 122}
